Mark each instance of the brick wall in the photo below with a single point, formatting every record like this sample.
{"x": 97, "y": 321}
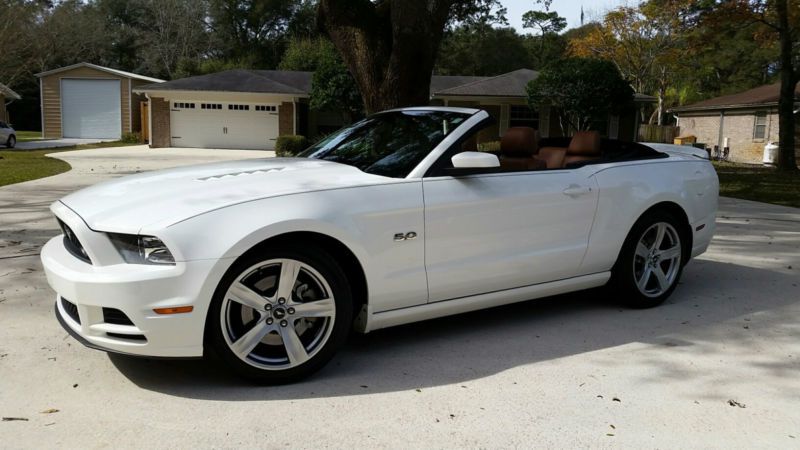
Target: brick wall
{"x": 737, "y": 127}
{"x": 286, "y": 119}
{"x": 159, "y": 111}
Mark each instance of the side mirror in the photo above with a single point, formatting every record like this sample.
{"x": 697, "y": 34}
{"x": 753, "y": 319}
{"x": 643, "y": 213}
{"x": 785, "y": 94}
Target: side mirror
{"x": 475, "y": 160}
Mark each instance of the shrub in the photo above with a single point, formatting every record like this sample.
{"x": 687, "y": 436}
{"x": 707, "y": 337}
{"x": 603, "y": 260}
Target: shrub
{"x": 131, "y": 138}
{"x": 290, "y": 145}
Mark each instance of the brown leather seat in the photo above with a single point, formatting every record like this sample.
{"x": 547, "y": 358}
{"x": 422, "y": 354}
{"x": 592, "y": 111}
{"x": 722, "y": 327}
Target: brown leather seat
{"x": 553, "y": 157}
{"x": 584, "y": 146}
{"x": 518, "y": 147}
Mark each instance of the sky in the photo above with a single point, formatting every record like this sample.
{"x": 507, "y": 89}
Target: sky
{"x": 570, "y": 9}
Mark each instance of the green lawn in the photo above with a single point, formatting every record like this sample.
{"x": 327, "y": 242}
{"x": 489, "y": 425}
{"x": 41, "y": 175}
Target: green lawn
{"x": 25, "y": 136}
{"x": 17, "y": 166}
{"x": 758, "y": 183}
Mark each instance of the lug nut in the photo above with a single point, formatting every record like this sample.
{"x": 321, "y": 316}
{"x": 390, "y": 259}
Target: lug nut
{"x": 290, "y": 310}
{"x": 284, "y": 323}
{"x": 268, "y": 307}
{"x": 281, "y": 301}
{"x": 269, "y": 321}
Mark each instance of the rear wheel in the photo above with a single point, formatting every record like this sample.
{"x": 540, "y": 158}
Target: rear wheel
{"x": 651, "y": 261}
{"x": 281, "y": 315}
{"x": 11, "y": 142}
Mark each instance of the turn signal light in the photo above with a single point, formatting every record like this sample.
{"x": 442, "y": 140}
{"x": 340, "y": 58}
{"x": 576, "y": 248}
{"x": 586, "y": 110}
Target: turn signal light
{"x": 175, "y": 310}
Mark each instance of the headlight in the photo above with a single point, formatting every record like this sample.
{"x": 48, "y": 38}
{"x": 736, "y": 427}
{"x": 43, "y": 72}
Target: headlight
{"x": 141, "y": 249}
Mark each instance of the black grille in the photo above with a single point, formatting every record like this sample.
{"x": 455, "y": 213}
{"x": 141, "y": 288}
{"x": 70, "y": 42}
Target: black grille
{"x": 71, "y": 309}
{"x": 72, "y": 243}
{"x": 116, "y": 317}
{"x": 130, "y": 337}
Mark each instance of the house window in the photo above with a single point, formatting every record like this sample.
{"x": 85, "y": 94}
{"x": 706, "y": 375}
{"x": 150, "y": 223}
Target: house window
{"x": 760, "y": 126}
{"x": 266, "y": 108}
{"x": 523, "y": 116}
{"x": 210, "y": 106}
{"x": 233, "y": 107}
{"x": 183, "y": 105}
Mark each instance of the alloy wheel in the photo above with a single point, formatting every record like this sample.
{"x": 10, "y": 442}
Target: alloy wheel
{"x": 278, "y": 314}
{"x": 657, "y": 259}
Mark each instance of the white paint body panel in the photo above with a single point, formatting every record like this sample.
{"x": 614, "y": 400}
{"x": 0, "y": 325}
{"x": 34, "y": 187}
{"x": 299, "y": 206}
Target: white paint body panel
{"x": 90, "y": 108}
{"x": 482, "y": 240}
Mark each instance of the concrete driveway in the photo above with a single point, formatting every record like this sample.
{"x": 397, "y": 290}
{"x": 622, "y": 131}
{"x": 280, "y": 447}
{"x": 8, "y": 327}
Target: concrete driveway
{"x": 56, "y": 143}
{"x": 717, "y": 366}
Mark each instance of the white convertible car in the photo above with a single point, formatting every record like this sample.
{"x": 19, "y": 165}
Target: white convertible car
{"x": 404, "y": 216}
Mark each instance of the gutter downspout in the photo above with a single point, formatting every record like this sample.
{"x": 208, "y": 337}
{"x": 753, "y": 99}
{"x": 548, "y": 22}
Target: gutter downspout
{"x": 721, "y": 130}
{"x": 149, "y": 120}
{"x": 294, "y": 116}
{"x": 41, "y": 106}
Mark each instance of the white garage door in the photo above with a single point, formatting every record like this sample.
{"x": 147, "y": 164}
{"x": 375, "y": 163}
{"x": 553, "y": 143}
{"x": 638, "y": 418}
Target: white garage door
{"x": 91, "y": 109}
{"x": 246, "y": 126}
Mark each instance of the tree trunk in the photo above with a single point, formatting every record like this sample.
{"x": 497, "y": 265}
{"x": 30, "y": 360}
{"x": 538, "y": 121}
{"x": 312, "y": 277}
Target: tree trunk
{"x": 786, "y": 119}
{"x": 389, "y": 47}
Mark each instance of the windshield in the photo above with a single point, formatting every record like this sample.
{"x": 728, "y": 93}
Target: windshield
{"x": 389, "y": 144}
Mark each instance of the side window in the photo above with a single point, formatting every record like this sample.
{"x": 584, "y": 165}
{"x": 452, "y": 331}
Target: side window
{"x": 483, "y": 138}
{"x": 760, "y": 126}
{"x": 3, "y": 125}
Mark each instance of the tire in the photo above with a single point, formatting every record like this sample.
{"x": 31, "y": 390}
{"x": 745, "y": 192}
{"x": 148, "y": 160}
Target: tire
{"x": 651, "y": 261}
{"x": 11, "y": 142}
{"x": 274, "y": 335}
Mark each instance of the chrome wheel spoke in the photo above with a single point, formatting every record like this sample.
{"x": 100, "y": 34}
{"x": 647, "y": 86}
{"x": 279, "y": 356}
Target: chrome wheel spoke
{"x": 318, "y": 308}
{"x": 246, "y": 296}
{"x": 642, "y": 282}
{"x": 289, "y": 271}
{"x": 245, "y": 344}
{"x": 660, "y": 232}
{"x": 661, "y": 278}
{"x": 642, "y": 250}
{"x": 670, "y": 253}
{"x": 295, "y": 349}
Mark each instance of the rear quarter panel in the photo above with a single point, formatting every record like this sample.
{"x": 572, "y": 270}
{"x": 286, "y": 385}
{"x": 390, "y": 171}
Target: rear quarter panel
{"x": 628, "y": 190}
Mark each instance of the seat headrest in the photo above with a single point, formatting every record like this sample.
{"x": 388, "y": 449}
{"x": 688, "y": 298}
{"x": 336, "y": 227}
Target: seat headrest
{"x": 519, "y": 142}
{"x": 585, "y": 143}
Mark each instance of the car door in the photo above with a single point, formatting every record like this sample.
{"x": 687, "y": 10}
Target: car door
{"x": 4, "y": 133}
{"x": 496, "y": 231}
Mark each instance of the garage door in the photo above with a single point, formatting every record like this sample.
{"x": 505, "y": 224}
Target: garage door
{"x": 90, "y": 109}
{"x": 246, "y": 126}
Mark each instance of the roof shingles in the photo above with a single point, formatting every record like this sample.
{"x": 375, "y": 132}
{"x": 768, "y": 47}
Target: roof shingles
{"x": 760, "y": 96}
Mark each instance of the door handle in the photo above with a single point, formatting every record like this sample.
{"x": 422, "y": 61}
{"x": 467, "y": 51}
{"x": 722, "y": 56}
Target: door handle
{"x": 574, "y": 190}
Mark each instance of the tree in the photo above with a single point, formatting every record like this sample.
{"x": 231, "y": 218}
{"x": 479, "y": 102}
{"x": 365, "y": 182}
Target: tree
{"x": 332, "y": 86}
{"x": 390, "y": 46}
{"x": 581, "y": 90}
{"x": 545, "y": 21}
{"x": 642, "y": 42}
{"x": 482, "y": 50}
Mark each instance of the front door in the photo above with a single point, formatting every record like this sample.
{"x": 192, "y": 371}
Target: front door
{"x": 491, "y": 232}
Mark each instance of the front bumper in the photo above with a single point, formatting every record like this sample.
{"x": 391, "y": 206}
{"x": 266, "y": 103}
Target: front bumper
{"x": 134, "y": 290}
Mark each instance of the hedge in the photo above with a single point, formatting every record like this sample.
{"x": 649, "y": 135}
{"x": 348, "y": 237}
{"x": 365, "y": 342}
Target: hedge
{"x": 290, "y": 145}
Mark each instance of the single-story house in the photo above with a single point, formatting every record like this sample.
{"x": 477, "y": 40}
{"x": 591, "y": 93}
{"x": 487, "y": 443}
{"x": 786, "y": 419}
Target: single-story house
{"x": 743, "y": 122}
{"x": 89, "y": 101}
{"x": 249, "y": 109}
{"x": 6, "y": 95}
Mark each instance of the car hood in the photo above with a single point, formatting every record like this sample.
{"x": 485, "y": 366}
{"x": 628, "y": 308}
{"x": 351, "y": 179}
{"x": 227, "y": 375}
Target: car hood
{"x": 164, "y": 197}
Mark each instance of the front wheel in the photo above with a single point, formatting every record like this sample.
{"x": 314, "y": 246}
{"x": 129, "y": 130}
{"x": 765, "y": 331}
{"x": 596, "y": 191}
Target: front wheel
{"x": 11, "y": 142}
{"x": 650, "y": 263}
{"x": 280, "y": 315}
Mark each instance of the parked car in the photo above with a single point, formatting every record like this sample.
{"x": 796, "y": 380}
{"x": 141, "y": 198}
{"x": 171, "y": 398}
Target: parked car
{"x": 269, "y": 263}
{"x": 7, "y": 135}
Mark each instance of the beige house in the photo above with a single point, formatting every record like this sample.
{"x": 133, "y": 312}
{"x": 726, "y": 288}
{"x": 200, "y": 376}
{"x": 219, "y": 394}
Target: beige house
{"x": 6, "y": 96}
{"x": 249, "y": 109}
{"x": 89, "y": 101}
{"x": 744, "y": 122}
{"x": 505, "y": 98}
